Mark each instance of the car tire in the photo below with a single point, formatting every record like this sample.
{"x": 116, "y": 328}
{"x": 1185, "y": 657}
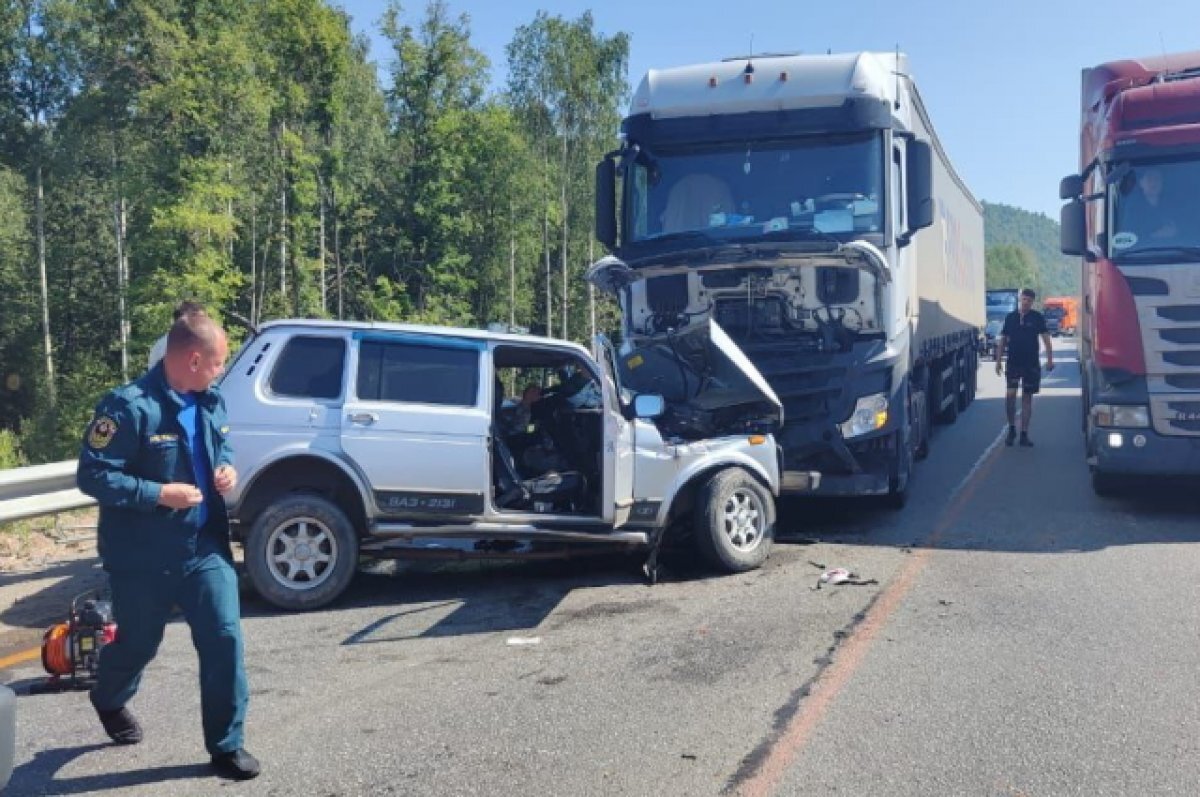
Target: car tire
{"x": 302, "y": 552}
{"x": 734, "y": 521}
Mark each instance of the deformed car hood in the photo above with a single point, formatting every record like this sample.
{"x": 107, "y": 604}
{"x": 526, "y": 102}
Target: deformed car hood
{"x": 710, "y": 386}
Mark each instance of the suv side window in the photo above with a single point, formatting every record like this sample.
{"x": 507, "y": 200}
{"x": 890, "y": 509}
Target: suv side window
{"x": 418, "y": 373}
{"x": 310, "y": 367}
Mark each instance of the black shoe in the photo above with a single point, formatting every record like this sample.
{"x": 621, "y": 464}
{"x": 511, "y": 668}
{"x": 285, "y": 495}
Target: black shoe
{"x": 120, "y": 725}
{"x": 236, "y": 765}
{"x": 1025, "y": 441}
{"x": 1012, "y": 436}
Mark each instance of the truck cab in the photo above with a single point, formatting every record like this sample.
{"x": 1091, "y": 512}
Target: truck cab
{"x": 1134, "y": 218}
{"x": 784, "y": 197}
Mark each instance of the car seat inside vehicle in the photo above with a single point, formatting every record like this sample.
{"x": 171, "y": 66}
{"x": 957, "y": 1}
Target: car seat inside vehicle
{"x": 547, "y": 433}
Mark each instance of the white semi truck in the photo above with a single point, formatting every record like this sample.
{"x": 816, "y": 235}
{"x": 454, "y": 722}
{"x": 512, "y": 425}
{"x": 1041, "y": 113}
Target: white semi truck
{"x": 804, "y": 203}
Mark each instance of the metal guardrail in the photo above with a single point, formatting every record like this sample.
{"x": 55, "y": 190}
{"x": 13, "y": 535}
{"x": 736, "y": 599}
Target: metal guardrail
{"x": 39, "y": 490}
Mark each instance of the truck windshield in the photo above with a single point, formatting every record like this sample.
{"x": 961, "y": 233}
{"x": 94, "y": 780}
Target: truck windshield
{"x": 821, "y": 186}
{"x": 1155, "y": 212}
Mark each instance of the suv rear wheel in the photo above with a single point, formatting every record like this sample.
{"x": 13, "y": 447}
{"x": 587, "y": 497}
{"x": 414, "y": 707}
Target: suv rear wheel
{"x": 735, "y": 521}
{"x": 302, "y": 552}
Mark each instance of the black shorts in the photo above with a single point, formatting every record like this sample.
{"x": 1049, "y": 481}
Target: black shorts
{"x": 1026, "y": 377}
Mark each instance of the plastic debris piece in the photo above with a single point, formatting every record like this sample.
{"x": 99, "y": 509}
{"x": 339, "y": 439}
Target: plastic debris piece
{"x": 840, "y": 575}
{"x": 523, "y": 641}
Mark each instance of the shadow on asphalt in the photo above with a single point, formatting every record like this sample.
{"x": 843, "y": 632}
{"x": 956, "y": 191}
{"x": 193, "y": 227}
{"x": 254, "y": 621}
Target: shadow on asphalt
{"x": 64, "y": 581}
{"x": 37, "y": 776}
{"x": 486, "y": 596}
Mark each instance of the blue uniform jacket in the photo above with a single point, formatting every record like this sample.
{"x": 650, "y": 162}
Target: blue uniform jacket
{"x": 132, "y": 447}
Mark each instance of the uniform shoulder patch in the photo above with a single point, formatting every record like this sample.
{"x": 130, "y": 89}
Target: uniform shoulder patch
{"x": 102, "y": 431}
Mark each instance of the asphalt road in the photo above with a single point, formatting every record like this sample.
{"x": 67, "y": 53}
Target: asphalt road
{"x": 1024, "y": 637}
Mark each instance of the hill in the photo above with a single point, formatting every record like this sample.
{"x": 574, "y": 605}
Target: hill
{"x": 1005, "y": 225}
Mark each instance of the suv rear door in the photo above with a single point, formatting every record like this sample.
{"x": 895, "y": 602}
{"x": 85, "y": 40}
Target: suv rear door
{"x": 416, "y": 424}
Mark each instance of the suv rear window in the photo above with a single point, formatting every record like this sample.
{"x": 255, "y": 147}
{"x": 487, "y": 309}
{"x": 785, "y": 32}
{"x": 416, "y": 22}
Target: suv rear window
{"x": 310, "y": 367}
{"x": 418, "y": 373}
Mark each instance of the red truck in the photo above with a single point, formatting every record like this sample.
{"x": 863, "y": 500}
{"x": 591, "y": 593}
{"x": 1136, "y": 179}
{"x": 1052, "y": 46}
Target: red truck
{"x": 1134, "y": 218}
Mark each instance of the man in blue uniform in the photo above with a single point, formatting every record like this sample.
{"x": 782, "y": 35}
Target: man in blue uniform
{"x": 156, "y": 459}
{"x": 1019, "y": 338}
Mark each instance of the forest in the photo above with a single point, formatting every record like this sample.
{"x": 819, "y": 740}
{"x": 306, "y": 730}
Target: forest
{"x": 249, "y": 154}
{"x": 1022, "y": 251}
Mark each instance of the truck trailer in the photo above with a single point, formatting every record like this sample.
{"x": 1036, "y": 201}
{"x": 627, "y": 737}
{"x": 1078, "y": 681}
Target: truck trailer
{"x": 1134, "y": 218}
{"x": 804, "y": 204}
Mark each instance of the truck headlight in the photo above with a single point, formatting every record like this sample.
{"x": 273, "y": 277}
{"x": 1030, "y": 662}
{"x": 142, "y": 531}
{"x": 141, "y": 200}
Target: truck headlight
{"x": 870, "y": 413}
{"x": 1129, "y": 416}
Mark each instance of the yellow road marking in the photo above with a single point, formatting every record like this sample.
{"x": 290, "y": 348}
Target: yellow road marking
{"x": 20, "y": 658}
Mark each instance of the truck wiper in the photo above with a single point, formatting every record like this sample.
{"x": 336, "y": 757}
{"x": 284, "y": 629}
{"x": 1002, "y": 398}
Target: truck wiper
{"x": 1158, "y": 253}
{"x": 800, "y": 234}
{"x": 683, "y": 235}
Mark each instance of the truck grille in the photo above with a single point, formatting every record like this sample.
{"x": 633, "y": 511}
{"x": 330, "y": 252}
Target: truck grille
{"x": 809, "y": 385}
{"x": 1168, "y": 314}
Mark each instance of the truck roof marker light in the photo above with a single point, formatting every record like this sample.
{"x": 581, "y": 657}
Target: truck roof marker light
{"x": 712, "y": 82}
{"x": 783, "y": 76}
{"x": 757, "y": 439}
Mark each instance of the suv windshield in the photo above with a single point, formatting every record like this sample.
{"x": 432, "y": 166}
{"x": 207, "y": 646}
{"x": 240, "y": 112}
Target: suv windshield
{"x": 819, "y": 186}
{"x": 1155, "y": 212}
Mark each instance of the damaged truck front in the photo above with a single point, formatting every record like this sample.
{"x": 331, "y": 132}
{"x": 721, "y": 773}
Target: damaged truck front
{"x": 804, "y": 204}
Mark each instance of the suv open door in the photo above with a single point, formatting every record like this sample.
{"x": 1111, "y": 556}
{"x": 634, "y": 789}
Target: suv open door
{"x": 618, "y": 438}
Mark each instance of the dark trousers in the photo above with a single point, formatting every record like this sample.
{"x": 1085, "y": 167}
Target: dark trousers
{"x": 206, "y": 590}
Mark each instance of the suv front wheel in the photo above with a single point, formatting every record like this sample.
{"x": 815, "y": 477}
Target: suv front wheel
{"x": 735, "y": 521}
{"x": 302, "y": 552}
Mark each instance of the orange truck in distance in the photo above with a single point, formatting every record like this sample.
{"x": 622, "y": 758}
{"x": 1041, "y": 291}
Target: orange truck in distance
{"x": 1066, "y": 309}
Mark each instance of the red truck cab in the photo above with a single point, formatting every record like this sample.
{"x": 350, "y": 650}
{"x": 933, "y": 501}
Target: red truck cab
{"x": 1134, "y": 218}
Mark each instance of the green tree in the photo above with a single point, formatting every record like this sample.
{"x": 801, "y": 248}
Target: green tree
{"x": 568, "y": 84}
{"x": 437, "y": 86}
{"x": 1011, "y": 266}
{"x": 18, "y": 330}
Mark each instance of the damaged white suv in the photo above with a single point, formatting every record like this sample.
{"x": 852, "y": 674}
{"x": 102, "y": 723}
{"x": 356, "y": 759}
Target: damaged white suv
{"x": 389, "y": 440}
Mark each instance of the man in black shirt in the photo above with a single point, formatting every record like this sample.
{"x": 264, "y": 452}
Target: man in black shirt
{"x": 1019, "y": 339}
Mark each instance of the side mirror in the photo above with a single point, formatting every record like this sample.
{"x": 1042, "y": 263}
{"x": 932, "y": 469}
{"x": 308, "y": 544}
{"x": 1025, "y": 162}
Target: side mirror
{"x": 1070, "y": 187}
{"x": 606, "y": 202}
{"x": 919, "y": 161}
{"x": 1073, "y": 230}
{"x": 649, "y": 406}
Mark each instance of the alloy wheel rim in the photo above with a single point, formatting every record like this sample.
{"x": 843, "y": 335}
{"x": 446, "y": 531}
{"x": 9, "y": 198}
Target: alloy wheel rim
{"x": 301, "y": 553}
{"x": 743, "y": 520}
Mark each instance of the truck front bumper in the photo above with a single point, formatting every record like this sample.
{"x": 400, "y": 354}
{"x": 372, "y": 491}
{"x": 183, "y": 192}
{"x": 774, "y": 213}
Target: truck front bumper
{"x": 1143, "y": 452}
{"x": 834, "y": 484}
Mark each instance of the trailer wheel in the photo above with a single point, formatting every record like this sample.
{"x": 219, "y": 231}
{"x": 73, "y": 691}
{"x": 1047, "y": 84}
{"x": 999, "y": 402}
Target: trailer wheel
{"x": 963, "y": 382}
{"x": 735, "y": 521}
{"x": 950, "y": 414}
{"x": 923, "y": 410}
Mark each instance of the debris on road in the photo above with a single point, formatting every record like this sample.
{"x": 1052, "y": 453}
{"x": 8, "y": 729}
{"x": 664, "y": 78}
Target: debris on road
{"x": 840, "y": 575}
{"x": 523, "y": 641}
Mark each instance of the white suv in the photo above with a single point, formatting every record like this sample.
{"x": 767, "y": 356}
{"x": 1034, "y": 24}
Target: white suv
{"x": 386, "y": 439}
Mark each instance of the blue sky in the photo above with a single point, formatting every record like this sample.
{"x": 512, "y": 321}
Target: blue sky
{"x": 1000, "y": 78}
